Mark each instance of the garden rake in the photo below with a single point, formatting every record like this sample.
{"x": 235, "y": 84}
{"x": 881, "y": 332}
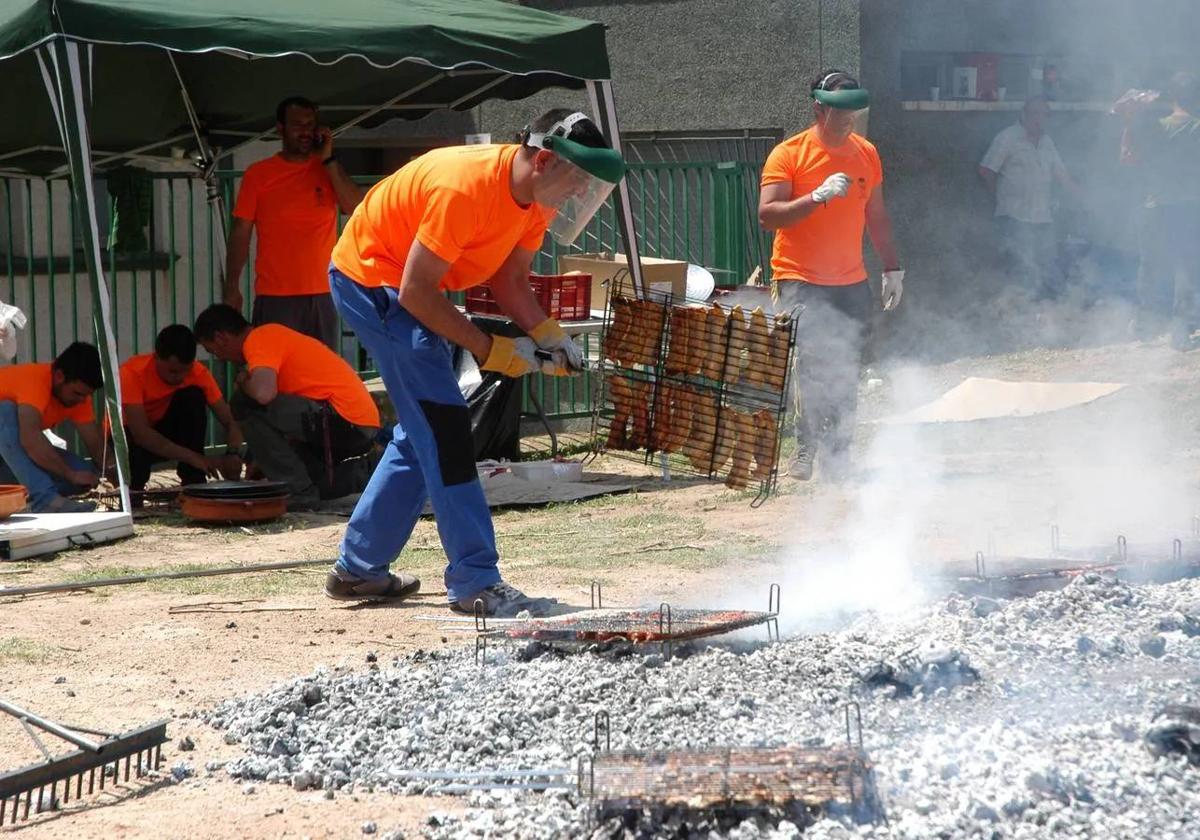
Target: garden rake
{"x": 140, "y": 748}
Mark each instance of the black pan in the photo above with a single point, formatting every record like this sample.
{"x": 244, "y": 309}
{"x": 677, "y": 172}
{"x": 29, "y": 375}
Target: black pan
{"x": 237, "y": 490}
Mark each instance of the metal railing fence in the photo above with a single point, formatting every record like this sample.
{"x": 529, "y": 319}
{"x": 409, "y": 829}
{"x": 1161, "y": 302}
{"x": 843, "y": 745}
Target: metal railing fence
{"x": 700, "y": 212}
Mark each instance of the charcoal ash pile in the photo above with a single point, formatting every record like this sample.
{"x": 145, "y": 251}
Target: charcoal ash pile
{"x": 924, "y": 671}
{"x": 1052, "y": 737}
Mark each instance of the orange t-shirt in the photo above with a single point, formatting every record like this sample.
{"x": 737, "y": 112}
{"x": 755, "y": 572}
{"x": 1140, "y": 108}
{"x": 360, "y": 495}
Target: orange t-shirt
{"x": 826, "y": 247}
{"x": 141, "y": 385}
{"x": 294, "y": 210}
{"x": 30, "y": 385}
{"x": 455, "y": 201}
{"x": 307, "y": 368}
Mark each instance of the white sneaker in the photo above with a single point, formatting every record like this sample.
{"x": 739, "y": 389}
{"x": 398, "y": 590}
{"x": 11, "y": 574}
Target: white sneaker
{"x": 502, "y": 600}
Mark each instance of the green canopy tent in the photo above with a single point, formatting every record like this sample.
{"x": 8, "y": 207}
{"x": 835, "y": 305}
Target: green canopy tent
{"x": 129, "y": 79}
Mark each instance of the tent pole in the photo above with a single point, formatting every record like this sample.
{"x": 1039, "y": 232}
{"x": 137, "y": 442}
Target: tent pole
{"x": 604, "y": 107}
{"x": 63, "y": 75}
{"x": 208, "y": 171}
{"x": 370, "y": 111}
{"x": 375, "y": 109}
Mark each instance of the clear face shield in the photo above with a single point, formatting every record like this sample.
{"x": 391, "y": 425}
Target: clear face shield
{"x": 844, "y": 112}
{"x": 575, "y": 181}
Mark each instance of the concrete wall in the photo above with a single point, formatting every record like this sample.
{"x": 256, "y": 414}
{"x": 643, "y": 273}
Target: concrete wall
{"x": 704, "y": 64}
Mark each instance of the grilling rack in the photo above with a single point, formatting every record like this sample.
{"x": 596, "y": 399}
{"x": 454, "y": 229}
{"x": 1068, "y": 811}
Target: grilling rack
{"x": 804, "y": 782}
{"x": 1003, "y": 576}
{"x": 702, "y": 385}
{"x": 663, "y": 625}
{"x": 141, "y": 750}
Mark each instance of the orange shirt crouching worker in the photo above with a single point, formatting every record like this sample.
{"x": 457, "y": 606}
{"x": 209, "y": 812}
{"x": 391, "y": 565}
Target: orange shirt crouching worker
{"x": 820, "y": 188}
{"x": 307, "y": 418}
{"x": 292, "y": 200}
{"x": 452, "y": 219}
{"x": 165, "y": 397}
{"x": 36, "y": 397}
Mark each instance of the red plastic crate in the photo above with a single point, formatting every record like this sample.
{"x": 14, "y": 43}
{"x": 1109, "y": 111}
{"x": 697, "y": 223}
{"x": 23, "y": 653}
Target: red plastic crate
{"x": 566, "y": 297}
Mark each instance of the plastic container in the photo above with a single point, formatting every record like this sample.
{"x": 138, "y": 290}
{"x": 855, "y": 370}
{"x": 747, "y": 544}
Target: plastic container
{"x": 564, "y": 297}
{"x": 547, "y": 470}
{"x": 13, "y": 497}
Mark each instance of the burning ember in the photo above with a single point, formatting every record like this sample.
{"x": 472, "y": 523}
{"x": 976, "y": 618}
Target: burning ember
{"x": 660, "y": 625}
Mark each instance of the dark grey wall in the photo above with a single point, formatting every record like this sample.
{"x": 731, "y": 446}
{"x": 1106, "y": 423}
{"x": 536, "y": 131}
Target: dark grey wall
{"x": 705, "y": 64}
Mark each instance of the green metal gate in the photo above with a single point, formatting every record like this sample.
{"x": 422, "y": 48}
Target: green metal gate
{"x": 703, "y": 213}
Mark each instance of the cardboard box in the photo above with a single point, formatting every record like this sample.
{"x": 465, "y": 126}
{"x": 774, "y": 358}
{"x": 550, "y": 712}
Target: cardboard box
{"x": 660, "y": 275}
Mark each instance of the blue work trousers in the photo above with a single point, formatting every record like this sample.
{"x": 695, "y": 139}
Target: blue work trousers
{"x": 16, "y": 467}
{"x": 431, "y": 454}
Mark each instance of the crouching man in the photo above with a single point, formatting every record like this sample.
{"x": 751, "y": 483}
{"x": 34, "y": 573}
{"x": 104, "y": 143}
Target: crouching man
{"x": 36, "y": 397}
{"x": 307, "y": 418}
{"x": 165, "y": 397}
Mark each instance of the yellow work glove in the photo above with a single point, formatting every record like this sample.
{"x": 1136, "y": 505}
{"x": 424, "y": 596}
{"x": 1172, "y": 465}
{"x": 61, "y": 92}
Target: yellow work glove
{"x": 566, "y": 355}
{"x": 512, "y": 356}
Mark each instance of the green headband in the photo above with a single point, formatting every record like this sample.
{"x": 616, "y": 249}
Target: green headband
{"x": 605, "y": 164}
{"x": 853, "y": 99}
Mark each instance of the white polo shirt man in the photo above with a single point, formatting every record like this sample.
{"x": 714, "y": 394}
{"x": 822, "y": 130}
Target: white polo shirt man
{"x": 1021, "y": 167}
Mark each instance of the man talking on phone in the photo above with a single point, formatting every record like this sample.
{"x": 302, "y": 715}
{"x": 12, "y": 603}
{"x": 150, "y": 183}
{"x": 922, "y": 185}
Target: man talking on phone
{"x": 292, "y": 200}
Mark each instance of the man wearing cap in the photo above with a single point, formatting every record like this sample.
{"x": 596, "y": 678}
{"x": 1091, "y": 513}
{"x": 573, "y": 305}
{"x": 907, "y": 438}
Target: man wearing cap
{"x": 452, "y": 219}
{"x": 820, "y": 189}
{"x": 292, "y": 200}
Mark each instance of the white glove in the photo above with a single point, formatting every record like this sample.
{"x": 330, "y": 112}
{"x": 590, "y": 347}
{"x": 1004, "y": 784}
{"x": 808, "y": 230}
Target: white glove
{"x": 568, "y": 354}
{"x": 512, "y": 356}
{"x": 893, "y": 288}
{"x": 835, "y": 186}
{"x": 11, "y": 320}
{"x": 565, "y": 354}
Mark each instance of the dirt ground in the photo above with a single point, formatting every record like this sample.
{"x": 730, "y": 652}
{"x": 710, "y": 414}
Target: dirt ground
{"x": 119, "y": 657}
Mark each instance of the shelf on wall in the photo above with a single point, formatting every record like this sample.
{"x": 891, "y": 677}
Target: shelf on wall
{"x": 983, "y": 105}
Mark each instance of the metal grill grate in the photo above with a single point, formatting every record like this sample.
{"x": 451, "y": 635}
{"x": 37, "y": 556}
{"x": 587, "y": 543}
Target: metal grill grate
{"x": 833, "y": 780}
{"x": 838, "y": 781}
{"x": 661, "y": 625}
{"x": 704, "y": 384}
{"x": 664, "y": 625}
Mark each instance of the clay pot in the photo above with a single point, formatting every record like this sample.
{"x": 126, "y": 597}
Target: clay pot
{"x": 242, "y": 510}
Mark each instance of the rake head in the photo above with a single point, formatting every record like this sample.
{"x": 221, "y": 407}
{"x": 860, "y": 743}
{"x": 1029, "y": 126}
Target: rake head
{"x": 45, "y": 785}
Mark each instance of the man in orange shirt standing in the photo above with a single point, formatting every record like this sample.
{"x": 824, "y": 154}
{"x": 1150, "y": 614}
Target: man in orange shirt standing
{"x": 292, "y": 199}
{"x": 165, "y": 397}
{"x": 307, "y": 417}
{"x": 452, "y": 219}
{"x": 36, "y": 397}
{"x": 820, "y": 188}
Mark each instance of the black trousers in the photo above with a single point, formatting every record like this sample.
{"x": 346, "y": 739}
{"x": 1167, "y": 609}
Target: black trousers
{"x": 831, "y": 334}
{"x": 184, "y": 424}
{"x": 307, "y": 444}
